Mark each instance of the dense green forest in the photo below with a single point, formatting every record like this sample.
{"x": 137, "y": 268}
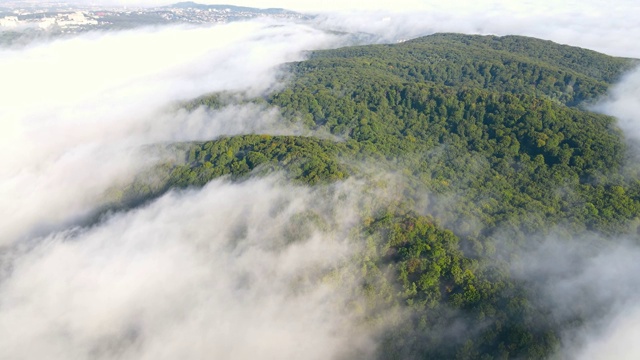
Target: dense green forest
{"x": 497, "y": 123}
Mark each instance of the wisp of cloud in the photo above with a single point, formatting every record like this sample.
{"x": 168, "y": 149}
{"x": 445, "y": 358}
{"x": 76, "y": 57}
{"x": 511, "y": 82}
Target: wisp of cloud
{"x": 219, "y": 271}
{"x": 78, "y": 110}
{"x": 213, "y": 271}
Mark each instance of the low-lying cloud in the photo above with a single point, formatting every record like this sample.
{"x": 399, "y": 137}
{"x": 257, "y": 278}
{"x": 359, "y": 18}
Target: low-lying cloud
{"x": 77, "y": 111}
{"x": 228, "y": 271}
{"x": 589, "y": 286}
{"x": 623, "y": 102}
{"x": 595, "y": 25}
{"x": 220, "y": 271}
{"x": 603, "y": 284}
{"x": 231, "y": 271}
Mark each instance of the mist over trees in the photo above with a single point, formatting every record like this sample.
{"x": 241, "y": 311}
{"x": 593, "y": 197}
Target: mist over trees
{"x": 498, "y": 126}
{"x": 437, "y": 198}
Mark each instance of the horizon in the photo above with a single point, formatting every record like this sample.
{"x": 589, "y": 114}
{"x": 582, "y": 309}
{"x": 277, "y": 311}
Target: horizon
{"x": 588, "y": 24}
{"x": 179, "y": 184}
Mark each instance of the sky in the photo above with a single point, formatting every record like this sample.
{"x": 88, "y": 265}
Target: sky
{"x": 524, "y": 7}
{"x": 77, "y": 116}
{"x": 595, "y": 24}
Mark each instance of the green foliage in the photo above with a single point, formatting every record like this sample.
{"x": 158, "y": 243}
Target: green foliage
{"x": 501, "y": 146}
{"x": 304, "y": 159}
{"x": 492, "y": 123}
{"x": 455, "y": 308}
{"x": 512, "y": 64}
{"x": 301, "y": 159}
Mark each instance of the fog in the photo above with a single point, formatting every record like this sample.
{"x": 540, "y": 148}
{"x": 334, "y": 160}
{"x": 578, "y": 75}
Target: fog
{"x": 217, "y": 271}
{"x": 78, "y": 110}
{"x": 595, "y": 24}
{"x": 601, "y": 282}
{"x": 588, "y": 278}
{"x": 623, "y": 102}
{"x": 617, "y": 340}
{"x": 213, "y": 271}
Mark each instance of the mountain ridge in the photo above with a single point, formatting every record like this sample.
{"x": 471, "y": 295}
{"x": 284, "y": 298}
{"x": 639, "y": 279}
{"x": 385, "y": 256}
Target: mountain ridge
{"x": 488, "y": 122}
{"x": 456, "y": 59}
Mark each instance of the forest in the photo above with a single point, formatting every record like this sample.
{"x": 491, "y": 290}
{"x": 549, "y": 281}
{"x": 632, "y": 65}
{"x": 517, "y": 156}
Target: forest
{"x": 502, "y": 125}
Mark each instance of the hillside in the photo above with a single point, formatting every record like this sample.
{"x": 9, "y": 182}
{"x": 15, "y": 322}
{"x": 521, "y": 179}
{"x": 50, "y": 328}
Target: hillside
{"x": 512, "y": 64}
{"x": 498, "y": 125}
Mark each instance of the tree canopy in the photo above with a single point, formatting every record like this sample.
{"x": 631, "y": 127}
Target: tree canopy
{"x": 496, "y": 123}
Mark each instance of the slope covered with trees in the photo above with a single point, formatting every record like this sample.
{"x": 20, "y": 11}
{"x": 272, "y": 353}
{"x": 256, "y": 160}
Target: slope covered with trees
{"x": 498, "y": 125}
{"x": 512, "y": 63}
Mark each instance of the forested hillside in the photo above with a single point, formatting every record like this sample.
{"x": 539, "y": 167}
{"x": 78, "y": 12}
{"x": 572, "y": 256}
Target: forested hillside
{"x": 497, "y": 126}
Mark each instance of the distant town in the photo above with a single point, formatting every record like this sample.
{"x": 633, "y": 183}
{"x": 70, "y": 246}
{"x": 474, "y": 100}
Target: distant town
{"x": 28, "y": 19}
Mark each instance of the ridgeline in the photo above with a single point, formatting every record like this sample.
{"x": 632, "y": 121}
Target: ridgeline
{"x": 499, "y": 124}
